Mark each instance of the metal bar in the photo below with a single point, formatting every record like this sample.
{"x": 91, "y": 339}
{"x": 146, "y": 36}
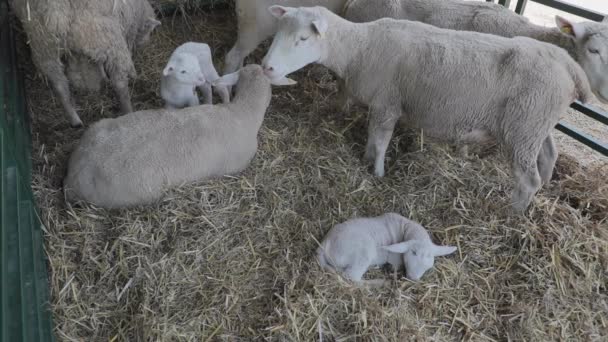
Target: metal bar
{"x": 572, "y": 9}
{"x": 505, "y": 3}
{"x": 520, "y": 7}
{"x": 583, "y": 138}
{"x": 591, "y": 112}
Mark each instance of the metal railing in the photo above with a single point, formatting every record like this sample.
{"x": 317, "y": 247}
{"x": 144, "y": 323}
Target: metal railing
{"x": 594, "y": 113}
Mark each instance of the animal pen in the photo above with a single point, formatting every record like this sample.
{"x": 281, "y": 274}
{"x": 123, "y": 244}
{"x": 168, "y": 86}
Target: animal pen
{"x": 233, "y": 258}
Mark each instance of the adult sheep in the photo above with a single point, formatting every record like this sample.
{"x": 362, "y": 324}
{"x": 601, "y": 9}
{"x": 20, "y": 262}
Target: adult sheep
{"x": 457, "y": 86}
{"x": 101, "y": 32}
{"x": 586, "y": 42}
{"x": 255, "y": 25}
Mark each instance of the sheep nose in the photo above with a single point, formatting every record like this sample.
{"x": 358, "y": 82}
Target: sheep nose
{"x": 267, "y": 68}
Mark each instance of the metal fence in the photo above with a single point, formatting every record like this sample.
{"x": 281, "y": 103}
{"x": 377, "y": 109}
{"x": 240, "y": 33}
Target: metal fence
{"x": 594, "y": 113}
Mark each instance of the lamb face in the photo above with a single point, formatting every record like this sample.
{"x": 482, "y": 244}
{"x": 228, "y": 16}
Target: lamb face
{"x": 185, "y": 69}
{"x": 298, "y": 42}
{"x": 419, "y": 255}
{"x": 591, "y": 42}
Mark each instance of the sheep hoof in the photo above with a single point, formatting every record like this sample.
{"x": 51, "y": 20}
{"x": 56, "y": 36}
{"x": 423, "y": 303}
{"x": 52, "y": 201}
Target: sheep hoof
{"x": 76, "y": 124}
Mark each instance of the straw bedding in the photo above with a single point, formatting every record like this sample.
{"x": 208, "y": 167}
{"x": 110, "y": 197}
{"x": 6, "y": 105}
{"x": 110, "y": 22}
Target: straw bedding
{"x": 233, "y": 259}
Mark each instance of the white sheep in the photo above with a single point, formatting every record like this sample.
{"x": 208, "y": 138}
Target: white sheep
{"x": 457, "y": 86}
{"x": 255, "y": 25}
{"x": 190, "y": 66}
{"x": 586, "y": 42}
{"x": 352, "y": 247}
{"x": 101, "y": 32}
{"x": 131, "y": 160}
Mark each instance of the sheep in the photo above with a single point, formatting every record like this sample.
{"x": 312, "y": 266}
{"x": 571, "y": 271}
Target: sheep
{"x": 586, "y": 42}
{"x": 351, "y": 247}
{"x": 255, "y": 25}
{"x": 189, "y": 66}
{"x": 130, "y": 160}
{"x": 457, "y": 86}
{"x": 103, "y": 31}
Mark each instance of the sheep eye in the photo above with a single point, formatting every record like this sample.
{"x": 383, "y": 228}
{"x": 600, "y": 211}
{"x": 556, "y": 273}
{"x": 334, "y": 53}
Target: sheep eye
{"x": 414, "y": 252}
{"x": 304, "y": 38}
{"x": 183, "y": 71}
{"x": 594, "y": 51}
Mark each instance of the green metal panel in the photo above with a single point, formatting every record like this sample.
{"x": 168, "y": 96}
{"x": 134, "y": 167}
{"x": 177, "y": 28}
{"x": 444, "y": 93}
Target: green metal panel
{"x": 24, "y": 305}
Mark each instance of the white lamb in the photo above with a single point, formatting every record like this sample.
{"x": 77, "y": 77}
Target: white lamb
{"x": 350, "y": 248}
{"x": 190, "y": 66}
{"x": 132, "y": 159}
{"x": 255, "y": 25}
{"x": 458, "y": 86}
{"x": 586, "y": 42}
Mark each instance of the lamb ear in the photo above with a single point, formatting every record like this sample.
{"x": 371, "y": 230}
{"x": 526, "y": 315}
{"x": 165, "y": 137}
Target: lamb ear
{"x": 227, "y": 80}
{"x": 569, "y": 28}
{"x": 319, "y": 26}
{"x": 443, "y": 250}
{"x": 283, "y": 81}
{"x": 166, "y": 71}
{"x": 400, "y": 247}
{"x": 278, "y": 11}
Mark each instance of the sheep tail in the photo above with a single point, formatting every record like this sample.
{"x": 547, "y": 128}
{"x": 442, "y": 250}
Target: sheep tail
{"x": 581, "y": 83}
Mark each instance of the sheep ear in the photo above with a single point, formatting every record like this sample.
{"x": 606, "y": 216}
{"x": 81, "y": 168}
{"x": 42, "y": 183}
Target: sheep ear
{"x": 319, "y": 26}
{"x": 442, "y": 250}
{"x": 226, "y": 80}
{"x": 283, "y": 81}
{"x": 401, "y": 247}
{"x": 569, "y": 28}
{"x": 166, "y": 71}
{"x": 278, "y": 11}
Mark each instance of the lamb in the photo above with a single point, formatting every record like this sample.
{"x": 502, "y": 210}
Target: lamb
{"x": 102, "y": 32}
{"x": 189, "y": 66}
{"x": 131, "y": 160}
{"x": 586, "y": 42}
{"x": 351, "y": 247}
{"x": 458, "y": 86}
{"x": 255, "y": 25}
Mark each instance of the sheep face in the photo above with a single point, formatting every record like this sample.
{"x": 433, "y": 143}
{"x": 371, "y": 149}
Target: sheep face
{"x": 145, "y": 30}
{"x": 591, "y": 41}
{"x": 419, "y": 256}
{"x": 298, "y": 41}
{"x": 253, "y": 72}
{"x": 185, "y": 69}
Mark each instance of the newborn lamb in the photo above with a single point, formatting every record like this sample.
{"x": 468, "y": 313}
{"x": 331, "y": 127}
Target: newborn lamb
{"x": 350, "y": 248}
{"x": 190, "y": 66}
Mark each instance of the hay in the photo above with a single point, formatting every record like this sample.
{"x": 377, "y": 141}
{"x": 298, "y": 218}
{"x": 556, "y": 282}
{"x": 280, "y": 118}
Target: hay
{"x": 232, "y": 259}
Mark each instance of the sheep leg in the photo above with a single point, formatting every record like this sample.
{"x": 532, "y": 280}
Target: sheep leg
{"x": 380, "y": 130}
{"x": 546, "y": 159}
{"x": 356, "y": 271}
{"x": 54, "y": 71}
{"x": 344, "y": 100}
{"x": 249, "y": 37}
{"x": 223, "y": 93}
{"x": 120, "y": 83}
{"x": 193, "y": 101}
{"x": 527, "y": 177}
{"x": 207, "y": 94}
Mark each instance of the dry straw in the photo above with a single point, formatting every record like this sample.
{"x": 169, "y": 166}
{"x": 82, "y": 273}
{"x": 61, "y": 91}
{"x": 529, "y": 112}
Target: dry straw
{"x": 232, "y": 259}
